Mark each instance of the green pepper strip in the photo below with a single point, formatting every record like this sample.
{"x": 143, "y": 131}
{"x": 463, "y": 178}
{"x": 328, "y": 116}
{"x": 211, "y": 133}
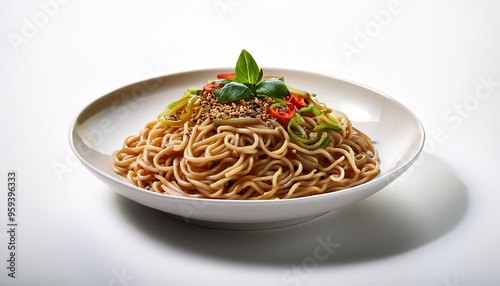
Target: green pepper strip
{"x": 325, "y": 142}
{"x": 324, "y": 127}
{"x": 310, "y": 109}
{"x": 298, "y": 134}
{"x": 331, "y": 121}
{"x": 314, "y": 102}
{"x": 293, "y": 126}
{"x": 186, "y": 104}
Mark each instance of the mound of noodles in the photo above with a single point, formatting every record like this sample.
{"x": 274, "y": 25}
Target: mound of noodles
{"x": 249, "y": 161}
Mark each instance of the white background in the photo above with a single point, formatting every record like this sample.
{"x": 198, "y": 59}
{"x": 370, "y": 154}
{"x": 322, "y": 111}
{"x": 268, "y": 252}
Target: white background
{"x": 436, "y": 225}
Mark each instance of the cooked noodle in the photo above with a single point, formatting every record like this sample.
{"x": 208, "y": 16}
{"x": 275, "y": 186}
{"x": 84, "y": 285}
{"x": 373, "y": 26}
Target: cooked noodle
{"x": 251, "y": 161}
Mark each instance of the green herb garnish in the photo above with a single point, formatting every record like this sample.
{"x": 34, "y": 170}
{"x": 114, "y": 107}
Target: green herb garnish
{"x": 248, "y": 83}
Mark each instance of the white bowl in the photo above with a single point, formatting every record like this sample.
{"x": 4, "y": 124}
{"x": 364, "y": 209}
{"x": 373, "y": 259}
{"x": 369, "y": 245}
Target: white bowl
{"x": 101, "y": 127}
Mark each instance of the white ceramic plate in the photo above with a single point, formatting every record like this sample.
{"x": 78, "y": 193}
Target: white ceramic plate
{"x": 102, "y": 126}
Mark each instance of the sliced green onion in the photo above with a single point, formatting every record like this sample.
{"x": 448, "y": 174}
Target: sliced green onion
{"x": 237, "y": 121}
{"x": 332, "y": 121}
{"x": 273, "y": 76}
{"x": 317, "y": 142}
{"x": 173, "y": 107}
{"x": 310, "y": 109}
{"x": 299, "y": 92}
{"x": 325, "y": 142}
{"x": 279, "y": 102}
{"x": 324, "y": 127}
{"x": 195, "y": 90}
{"x": 319, "y": 105}
{"x": 184, "y": 106}
{"x": 294, "y": 128}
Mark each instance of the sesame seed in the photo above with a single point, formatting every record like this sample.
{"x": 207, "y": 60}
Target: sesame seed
{"x": 212, "y": 109}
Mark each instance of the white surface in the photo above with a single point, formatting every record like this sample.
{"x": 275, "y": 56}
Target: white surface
{"x": 100, "y": 128}
{"x": 436, "y": 225}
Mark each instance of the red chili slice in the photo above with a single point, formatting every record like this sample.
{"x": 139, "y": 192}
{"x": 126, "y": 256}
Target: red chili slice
{"x": 296, "y": 100}
{"x": 283, "y": 116}
{"x": 209, "y": 86}
{"x": 230, "y": 75}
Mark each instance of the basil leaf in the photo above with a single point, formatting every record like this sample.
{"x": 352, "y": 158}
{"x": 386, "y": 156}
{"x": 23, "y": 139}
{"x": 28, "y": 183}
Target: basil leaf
{"x": 272, "y": 87}
{"x": 247, "y": 70}
{"x": 222, "y": 81}
{"x": 232, "y": 91}
{"x": 261, "y": 74}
